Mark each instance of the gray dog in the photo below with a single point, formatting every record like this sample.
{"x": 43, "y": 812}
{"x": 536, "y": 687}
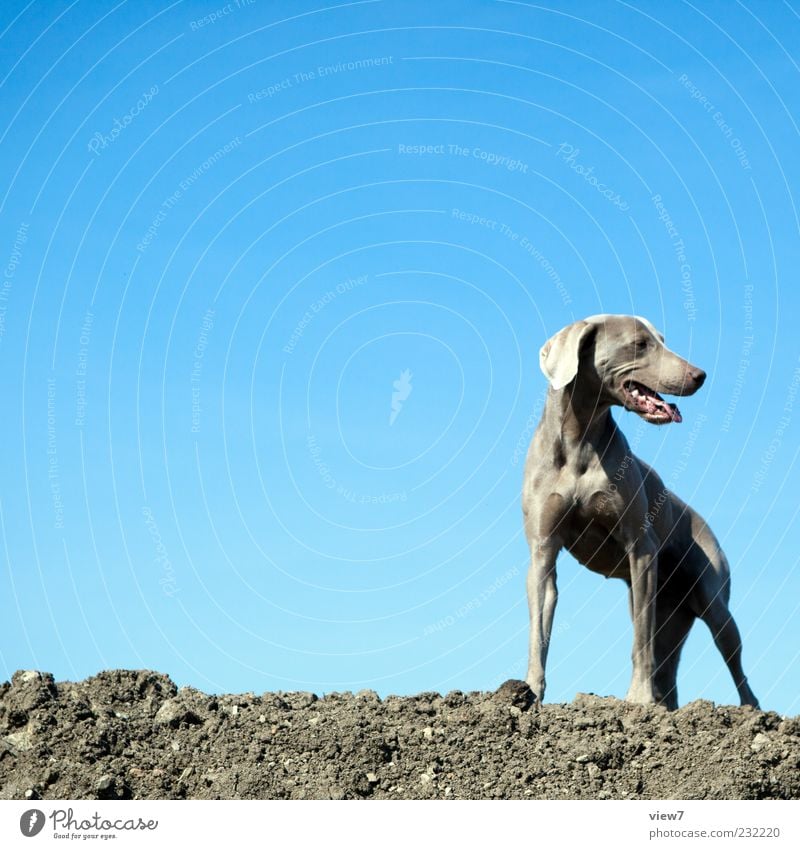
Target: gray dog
{"x": 585, "y": 491}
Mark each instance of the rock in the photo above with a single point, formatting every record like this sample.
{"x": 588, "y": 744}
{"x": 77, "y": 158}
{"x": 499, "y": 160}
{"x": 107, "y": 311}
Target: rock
{"x": 105, "y": 782}
{"x": 760, "y": 741}
{"x": 108, "y": 787}
{"x": 368, "y": 696}
{"x": 301, "y": 700}
{"x": 21, "y": 740}
{"x": 32, "y": 689}
{"x": 514, "y": 693}
{"x": 174, "y": 713}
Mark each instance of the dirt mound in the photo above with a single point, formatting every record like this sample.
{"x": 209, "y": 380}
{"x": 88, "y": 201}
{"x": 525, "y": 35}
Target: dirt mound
{"x": 135, "y": 735}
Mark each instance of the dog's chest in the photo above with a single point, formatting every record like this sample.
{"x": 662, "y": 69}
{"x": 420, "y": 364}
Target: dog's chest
{"x": 598, "y": 509}
{"x": 589, "y": 534}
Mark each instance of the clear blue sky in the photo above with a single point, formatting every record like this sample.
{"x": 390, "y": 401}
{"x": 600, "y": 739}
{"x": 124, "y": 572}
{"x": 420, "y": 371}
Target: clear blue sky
{"x": 229, "y": 230}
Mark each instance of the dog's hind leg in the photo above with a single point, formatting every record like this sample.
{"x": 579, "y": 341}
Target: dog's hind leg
{"x": 726, "y": 637}
{"x": 709, "y": 601}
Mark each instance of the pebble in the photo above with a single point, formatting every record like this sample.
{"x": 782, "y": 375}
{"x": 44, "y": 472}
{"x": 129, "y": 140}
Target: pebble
{"x": 105, "y": 782}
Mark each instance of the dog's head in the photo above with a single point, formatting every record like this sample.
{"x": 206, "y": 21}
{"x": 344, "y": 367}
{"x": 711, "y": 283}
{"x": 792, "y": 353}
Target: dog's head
{"x": 622, "y": 360}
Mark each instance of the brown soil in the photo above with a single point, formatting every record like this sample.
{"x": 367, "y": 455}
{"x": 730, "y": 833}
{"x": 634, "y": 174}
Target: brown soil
{"x": 133, "y": 734}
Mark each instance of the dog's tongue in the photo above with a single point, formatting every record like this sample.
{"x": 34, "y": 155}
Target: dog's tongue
{"x": 652, "y": 403}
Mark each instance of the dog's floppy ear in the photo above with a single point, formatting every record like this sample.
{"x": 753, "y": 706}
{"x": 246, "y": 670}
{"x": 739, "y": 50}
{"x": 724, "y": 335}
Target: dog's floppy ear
{"x": 559, "y": 356}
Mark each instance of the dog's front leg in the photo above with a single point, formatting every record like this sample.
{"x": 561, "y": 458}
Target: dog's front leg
{"x": 542, "y": 598}
{"x": 643, "y": 559}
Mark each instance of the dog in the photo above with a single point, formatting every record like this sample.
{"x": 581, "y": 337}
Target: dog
{"x": 585, "y": 491}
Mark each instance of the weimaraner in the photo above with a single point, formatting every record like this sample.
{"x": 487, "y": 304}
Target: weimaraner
{"x": 585, "y": 491}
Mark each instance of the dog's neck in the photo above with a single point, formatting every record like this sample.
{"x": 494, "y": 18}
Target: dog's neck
{"x": 582, "y": 418}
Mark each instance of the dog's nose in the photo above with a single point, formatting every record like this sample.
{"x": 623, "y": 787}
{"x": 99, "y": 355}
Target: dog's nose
{"x": 698, "y": 376}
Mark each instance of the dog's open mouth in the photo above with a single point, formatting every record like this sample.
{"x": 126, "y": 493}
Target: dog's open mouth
{"x": 649, "y": 404}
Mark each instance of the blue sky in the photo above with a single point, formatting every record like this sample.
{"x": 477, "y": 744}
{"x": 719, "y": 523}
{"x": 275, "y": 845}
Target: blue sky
{"x": 275, "y": 278}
